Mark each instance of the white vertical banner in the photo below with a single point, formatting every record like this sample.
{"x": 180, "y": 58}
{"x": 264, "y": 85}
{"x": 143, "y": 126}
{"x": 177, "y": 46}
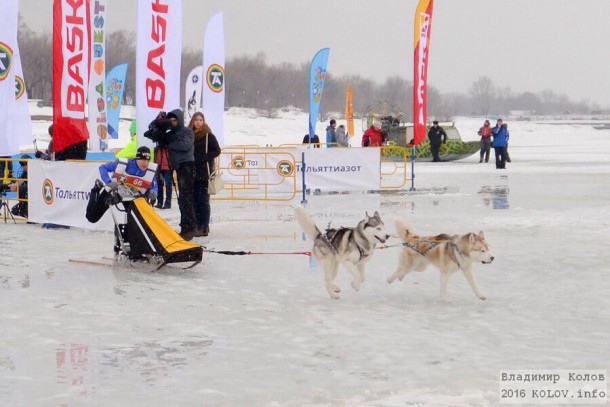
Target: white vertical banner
{"x": 8, "y": 44}
{"x": 158, "y": 61}
{"x": 20, "y": 121}
{"x": 213, "y": 94}
{"x": 192, "y": 93}
{"x": 98, "y": 123}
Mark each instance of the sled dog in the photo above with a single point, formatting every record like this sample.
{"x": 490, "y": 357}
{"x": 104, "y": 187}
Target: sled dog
{"x": 352, "y": 247}
{"x": 449, "y": 253}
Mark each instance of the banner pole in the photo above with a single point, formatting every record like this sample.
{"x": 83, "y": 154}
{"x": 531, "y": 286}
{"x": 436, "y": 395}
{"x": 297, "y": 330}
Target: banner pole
{"x": 412, "y": 169}
{"x": 303, "y": 200}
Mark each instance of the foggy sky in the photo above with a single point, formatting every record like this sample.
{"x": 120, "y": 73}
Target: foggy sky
{"x": 527, "y": 45}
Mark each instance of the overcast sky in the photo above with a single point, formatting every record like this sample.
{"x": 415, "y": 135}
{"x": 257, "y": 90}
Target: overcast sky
{"x": 527, "y": 45}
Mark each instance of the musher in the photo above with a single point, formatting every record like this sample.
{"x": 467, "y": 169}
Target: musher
{"x": 131, "y": 178}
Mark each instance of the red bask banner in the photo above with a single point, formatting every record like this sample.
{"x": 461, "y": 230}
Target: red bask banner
{"x": 71, "y": 45}
{"x": 423, "y": 25}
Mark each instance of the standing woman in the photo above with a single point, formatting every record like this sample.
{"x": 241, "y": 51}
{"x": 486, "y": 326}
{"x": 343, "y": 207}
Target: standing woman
{"x": 206, "y": 150}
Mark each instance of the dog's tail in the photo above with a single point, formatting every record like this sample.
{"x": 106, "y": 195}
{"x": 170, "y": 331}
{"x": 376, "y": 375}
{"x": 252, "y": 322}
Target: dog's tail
{"x": 402, "y": 228}
{"x": 305, "y": 221}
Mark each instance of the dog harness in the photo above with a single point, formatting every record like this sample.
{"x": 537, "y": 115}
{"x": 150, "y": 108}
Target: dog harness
{"x": 423, "y": 246}
{"x": 329, "y": 236}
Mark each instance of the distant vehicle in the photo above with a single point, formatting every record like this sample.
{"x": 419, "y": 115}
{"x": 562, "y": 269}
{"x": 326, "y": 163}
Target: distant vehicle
{"x": 398, "y": 133}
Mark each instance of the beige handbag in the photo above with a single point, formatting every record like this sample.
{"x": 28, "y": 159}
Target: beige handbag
{"x": 215, "y": 182}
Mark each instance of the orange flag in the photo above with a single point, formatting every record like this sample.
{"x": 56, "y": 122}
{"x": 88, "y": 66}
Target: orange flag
{"x": 349, "y": 111}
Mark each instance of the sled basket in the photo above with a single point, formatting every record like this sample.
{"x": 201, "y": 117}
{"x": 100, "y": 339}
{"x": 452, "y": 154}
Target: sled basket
{"x": 149, "y": 234}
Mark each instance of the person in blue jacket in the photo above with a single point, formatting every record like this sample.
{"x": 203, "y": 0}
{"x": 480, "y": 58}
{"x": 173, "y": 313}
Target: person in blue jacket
{"x": 500, "y": 143}
{"x": 130, "y": 178}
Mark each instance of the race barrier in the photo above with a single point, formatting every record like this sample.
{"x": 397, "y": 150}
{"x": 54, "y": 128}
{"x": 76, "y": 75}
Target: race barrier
{"x": 58, "y": 191}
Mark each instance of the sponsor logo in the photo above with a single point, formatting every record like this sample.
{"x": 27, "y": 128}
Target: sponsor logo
{"x": 155, "y": 80}
{"x": 238, "y": 162}
{"x": 285, "y": 168}
{"x": 195, "y": 78}
{"x": 6, "y": 60}
{"x": 47, "y": 192}
{"x": 318, "y": 84}
{"x": 75, "y": 57}
{"x": 19, "y": 87}
{"x": 216, "y": 78}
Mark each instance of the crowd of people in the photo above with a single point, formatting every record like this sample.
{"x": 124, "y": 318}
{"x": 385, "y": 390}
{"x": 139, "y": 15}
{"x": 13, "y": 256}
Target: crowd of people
{"x": 185, "y": 153}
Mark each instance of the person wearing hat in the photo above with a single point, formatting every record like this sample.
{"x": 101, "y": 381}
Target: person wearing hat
{"x": 436, "y": 135}
{"x": 122, "y": 180}
{"x": 372, "y": 137}
{"x": 331, "y": 138}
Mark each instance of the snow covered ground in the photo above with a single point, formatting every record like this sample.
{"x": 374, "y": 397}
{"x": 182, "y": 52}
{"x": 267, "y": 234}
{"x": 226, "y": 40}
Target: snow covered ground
{"x": 260, "y": 330}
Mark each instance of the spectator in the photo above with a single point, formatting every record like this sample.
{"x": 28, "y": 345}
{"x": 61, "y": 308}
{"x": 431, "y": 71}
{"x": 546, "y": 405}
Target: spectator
{"x": 6, "y": 163}
{"x": 485, "y": 133}
{"x": 331, "y": 139}
{"x": 129, "y": 151}
{"x": 315, "y": 140}
{"x": 436, "y": 135}
{"x": 341, "y": 136}
{"x": 507, "y": 137}
{"x": 372, "y": 137}
{"x": 165, "y": 176}
{"x": 21, "y": 187}
{"x": 500, "y": 141}
{"x": 181, "y": 147}
{"x": 48, "y": 154}
{"x": 206, "y": 151}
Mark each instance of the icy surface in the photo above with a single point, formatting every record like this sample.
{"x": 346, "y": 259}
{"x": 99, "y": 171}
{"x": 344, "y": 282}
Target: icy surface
{"x": 260, "y": 330}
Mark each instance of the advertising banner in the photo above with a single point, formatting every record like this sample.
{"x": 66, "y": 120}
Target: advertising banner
{"x": 115, "y": 86}
{"x": 58, "y": 192}
{"x": 98, "y": 124}
{"x": 8, "y": 43}
{"x": 158, "y": 61}
{"x": 317, "y": 75}
{"x": 213, "y": 93}
{"x": 423, "y": 25}
{"x": 71, "y": 46}
{"x": 192, "y": 93}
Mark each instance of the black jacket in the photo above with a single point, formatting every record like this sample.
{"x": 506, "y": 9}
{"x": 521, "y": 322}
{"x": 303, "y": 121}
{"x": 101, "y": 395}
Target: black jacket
{"x": 180, "y": 141}
{"x": 435, "y": 134}
{"x": 201, "y": 158}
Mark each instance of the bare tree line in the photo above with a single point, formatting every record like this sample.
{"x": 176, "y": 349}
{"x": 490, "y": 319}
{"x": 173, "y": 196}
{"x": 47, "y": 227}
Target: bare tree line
{"x": 252, "y": 82}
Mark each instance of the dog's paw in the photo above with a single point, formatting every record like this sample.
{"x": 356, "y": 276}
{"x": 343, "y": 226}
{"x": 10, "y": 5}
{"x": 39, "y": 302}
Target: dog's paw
{"x": 336, "y": 288}
{"x": 356, "y": 286}
{"x": 482, "y": 297}
{"x": 334, "y": 296}
{"x": 391, "y": 279}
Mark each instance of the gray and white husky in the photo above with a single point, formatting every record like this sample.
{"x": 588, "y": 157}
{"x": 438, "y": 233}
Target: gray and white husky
{"x": 352, "y": 247}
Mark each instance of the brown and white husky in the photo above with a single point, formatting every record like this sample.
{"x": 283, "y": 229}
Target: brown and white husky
{"x": 449, "y": 253}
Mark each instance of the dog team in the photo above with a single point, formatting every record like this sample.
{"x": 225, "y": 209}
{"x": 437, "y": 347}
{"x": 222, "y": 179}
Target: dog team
{"x": 353, "y": 247}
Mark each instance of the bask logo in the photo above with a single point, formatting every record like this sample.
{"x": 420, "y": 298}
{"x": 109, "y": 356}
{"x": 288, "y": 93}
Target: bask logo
{"x": 6, "y": 60}
{"x": 47, "y": 191}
